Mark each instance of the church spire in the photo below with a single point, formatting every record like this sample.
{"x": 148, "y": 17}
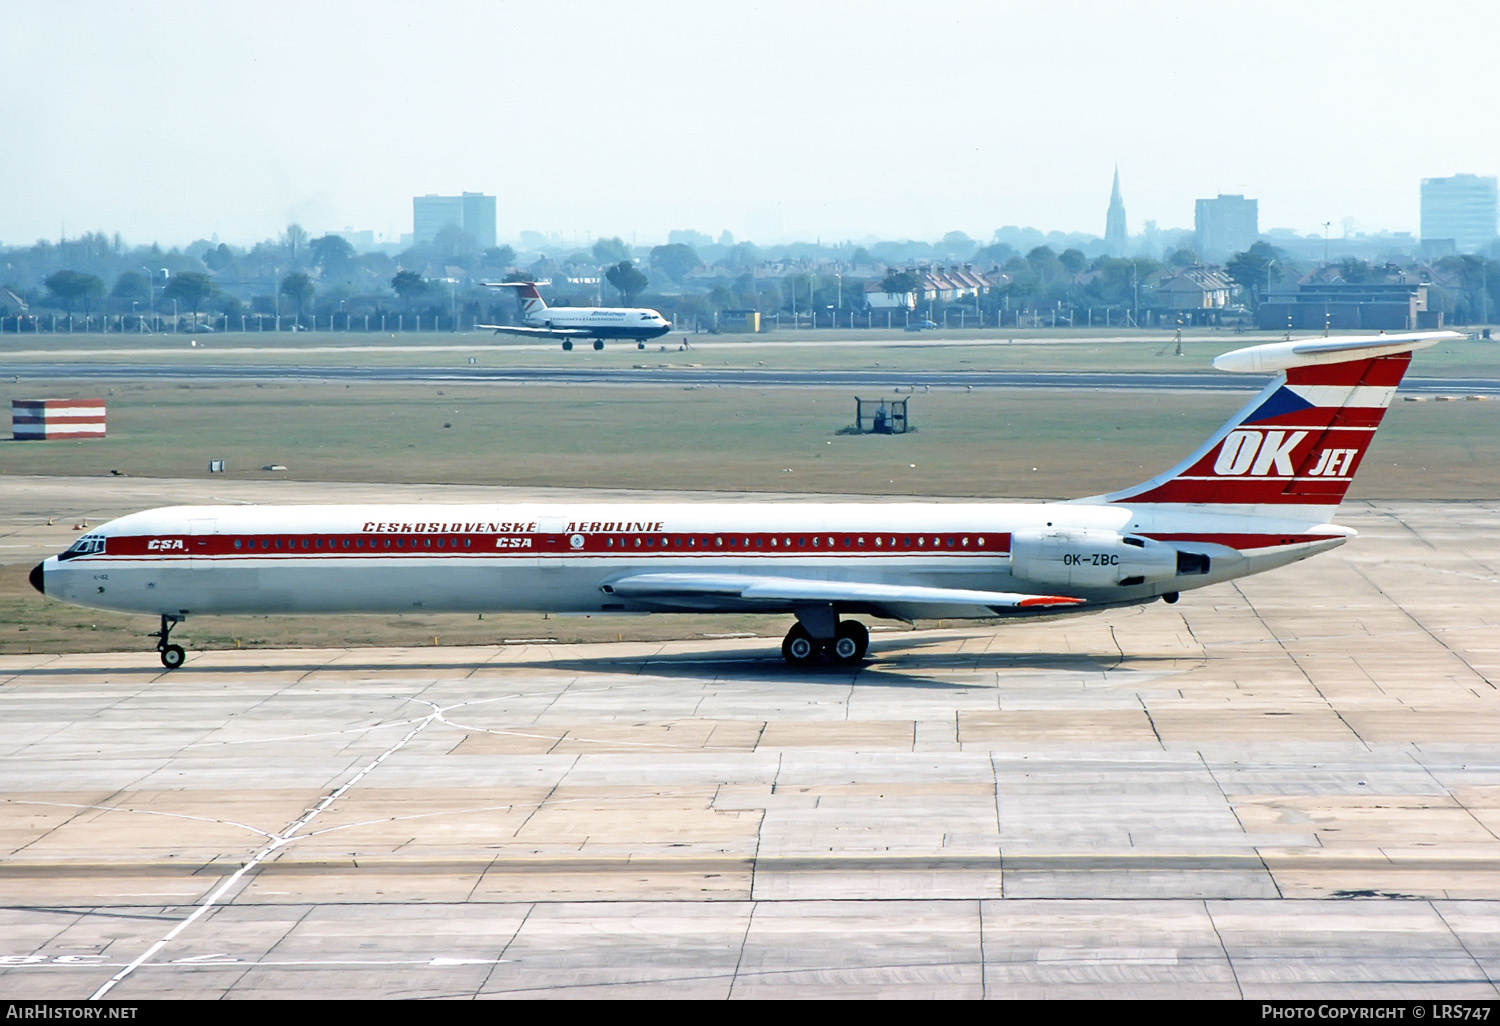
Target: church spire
{"x": 1115, "y": 236}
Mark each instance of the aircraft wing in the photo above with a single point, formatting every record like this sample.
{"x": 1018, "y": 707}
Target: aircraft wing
{"x": 749, "y": 591}
{"x": 514, "y": 329}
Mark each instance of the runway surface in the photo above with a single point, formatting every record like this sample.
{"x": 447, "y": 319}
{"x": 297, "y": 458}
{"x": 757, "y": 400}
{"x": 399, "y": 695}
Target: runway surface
{"x": 1288, "y": 788}
{"x": 92, "y": 370}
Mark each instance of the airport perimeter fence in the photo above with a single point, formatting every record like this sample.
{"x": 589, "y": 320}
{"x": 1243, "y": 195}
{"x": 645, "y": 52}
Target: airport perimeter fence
{"x": 400, "y": 323}
{"x": 160, "y": 324}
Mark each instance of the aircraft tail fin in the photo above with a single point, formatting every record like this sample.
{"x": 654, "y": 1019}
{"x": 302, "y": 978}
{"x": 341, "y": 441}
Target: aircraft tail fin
{"x": 1298, "y": 443}
{"x": 527, "y": 297}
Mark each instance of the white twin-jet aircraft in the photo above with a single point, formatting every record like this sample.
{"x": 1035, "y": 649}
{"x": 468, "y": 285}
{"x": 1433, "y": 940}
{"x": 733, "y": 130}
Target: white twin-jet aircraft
{"x": 1258, "y": 494}
{"x": 634, "y": 324}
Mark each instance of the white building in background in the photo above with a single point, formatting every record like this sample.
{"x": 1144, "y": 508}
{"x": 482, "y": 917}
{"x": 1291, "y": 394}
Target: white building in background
{"x": 473, "y": 212}
{"x": 1461, "y": 212}
{"x": 1225, "y": 226}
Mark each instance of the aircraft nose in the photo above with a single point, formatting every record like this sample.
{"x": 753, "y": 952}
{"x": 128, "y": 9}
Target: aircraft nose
{"x": 36, "y": 578}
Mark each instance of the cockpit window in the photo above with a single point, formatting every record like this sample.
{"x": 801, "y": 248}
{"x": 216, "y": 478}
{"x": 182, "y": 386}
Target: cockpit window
{"x": 88, "y": 545}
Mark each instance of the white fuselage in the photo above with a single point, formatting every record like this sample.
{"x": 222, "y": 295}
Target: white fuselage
{"x": 1257, "y": 494}
{"x": 563, "y": 558}
{"x": 600, "y": 322}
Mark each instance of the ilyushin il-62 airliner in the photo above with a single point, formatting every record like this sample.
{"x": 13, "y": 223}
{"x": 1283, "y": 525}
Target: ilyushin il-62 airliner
{"x": 635, "y": 324}
{"x": 1259, "y": 494}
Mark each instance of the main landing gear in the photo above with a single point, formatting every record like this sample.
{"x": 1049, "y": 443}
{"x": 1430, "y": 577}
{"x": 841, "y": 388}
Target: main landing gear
{"x": 848, "y": 645}
{"x": 172, "y": 656}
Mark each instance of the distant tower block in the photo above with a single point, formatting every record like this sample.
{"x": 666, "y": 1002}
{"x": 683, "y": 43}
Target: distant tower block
{"x": 1115, "y": 236}
{"x": 41, "y": 419}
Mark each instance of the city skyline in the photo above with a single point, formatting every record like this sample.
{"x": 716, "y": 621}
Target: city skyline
{"x": 182, "y": 121}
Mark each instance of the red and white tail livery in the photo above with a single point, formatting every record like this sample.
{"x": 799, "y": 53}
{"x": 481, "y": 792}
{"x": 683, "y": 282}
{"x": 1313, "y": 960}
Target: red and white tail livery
{"x": 1298, "y": 443}
{"x": 1259, "y": 494}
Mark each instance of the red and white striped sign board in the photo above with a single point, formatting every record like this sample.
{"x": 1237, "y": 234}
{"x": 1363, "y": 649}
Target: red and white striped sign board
{"x": 56, "y": 418}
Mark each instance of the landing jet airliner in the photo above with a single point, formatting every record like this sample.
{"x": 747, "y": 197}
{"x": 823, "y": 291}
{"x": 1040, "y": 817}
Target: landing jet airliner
{"x": 577, "y": 322}
{"x": 1259, "y": 494}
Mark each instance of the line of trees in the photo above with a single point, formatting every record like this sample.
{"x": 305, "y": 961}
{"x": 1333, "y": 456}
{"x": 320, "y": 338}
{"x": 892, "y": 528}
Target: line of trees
{"x": 690, "y": 277}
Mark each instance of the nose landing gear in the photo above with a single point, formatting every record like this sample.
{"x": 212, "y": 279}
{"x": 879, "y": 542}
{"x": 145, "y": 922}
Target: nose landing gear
{"x": 172, "y": 656}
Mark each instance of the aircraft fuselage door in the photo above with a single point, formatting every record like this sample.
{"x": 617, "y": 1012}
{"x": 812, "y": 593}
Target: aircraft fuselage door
{"x": 200, "y": 540}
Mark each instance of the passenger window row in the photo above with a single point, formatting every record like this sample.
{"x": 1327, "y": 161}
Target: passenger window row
{"x": 425, "y": 542}
{"x": 801, "y": 541}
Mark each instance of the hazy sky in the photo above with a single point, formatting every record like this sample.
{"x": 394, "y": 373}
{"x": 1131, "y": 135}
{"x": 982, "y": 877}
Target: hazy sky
{"x": 172, "y": 120}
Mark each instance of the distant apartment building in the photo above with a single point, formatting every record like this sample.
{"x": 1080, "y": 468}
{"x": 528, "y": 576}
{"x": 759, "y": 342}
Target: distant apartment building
{"x": 473, "y": 212}
{"x": 1459, "y": 214}
{"x": 361, "y": 239}
{"x": 1225, "y": 226}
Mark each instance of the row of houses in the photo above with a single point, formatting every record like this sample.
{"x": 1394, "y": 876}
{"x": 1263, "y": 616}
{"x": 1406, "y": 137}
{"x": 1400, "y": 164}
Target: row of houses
{"x": 1205, "y": 290}
{"x": 1202, "y": 295}
{"x": 935, "y": 285}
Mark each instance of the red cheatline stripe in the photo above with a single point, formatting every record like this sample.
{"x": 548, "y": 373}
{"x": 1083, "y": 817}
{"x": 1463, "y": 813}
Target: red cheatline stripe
{"x": 1232, "y": 490}
{"x": 518, "y": 544}
{"x": 1294, "y": 491}
{"x": 472, "y": 555}
{"x": 1238, "y": 490}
